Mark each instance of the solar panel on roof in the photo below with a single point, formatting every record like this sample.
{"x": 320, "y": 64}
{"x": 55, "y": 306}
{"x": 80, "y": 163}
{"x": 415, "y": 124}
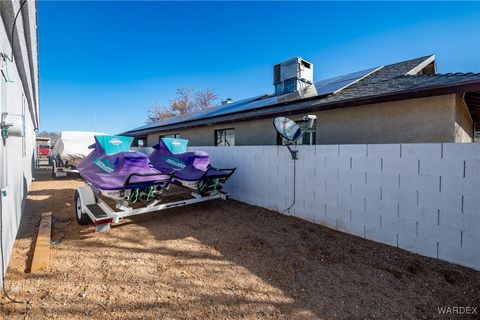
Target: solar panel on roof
{"x": 335, "y": 84}
{"x": 321, "y": 88}
{"x": 229, "y": 108}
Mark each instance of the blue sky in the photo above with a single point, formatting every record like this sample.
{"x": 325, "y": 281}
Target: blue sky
{"x": 103, "y": 64}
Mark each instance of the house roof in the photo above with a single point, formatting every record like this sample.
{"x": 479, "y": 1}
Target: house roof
{"x": 42, "y": 138}
{"x": 392, "y": 82}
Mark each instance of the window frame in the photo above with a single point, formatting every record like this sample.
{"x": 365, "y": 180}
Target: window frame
{"x": 136, "y": 140}
{"x": 312, "y": 135}
{"x": 173, "y": 135}
{"x": 215, "y": 136}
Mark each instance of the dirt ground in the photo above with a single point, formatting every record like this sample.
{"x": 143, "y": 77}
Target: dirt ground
{"x": 220, "y": 260}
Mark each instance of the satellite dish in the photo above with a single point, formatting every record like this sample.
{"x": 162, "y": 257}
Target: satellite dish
{"x": 287, "y": 128}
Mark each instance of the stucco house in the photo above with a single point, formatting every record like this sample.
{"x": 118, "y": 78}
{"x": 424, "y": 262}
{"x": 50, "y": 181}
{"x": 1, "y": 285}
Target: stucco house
{"x": 404, "y": 102}
{"x": 19, "y": 110}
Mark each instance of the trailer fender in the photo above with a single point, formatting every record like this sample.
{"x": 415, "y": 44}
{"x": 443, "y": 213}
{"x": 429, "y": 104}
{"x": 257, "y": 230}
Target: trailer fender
{"x": 86, "y": 196}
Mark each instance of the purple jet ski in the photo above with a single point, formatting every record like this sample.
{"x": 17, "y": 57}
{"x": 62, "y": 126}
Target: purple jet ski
{"x": 191, "y": 169}
{"x": 116, "y": 172}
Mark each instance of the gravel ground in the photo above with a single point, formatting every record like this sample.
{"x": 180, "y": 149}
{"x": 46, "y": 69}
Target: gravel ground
{"x": 220, "y": 260}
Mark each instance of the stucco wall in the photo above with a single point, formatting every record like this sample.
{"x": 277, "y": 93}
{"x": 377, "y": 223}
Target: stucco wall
{"x": 258, "y": 132}
{"x": 431, "y": 119}
{"x": 19, "y": 96}
{"x": 409, "y": 121}
{"x": 463, "y": 122}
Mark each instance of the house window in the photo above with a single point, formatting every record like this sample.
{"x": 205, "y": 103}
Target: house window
{"x": 308, "y": 139}
{"x": 139, "y": 142}
{"x": 173, "y": 135}
{"x": 225, "y": 137}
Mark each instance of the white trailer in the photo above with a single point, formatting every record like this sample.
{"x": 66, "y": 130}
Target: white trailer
{"x": 71, "y": 148}
{"x": 90, "y": 208}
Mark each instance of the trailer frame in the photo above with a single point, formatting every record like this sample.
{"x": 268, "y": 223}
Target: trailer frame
{"x": 102, "y": 215}
{"x": 59, "y": 171}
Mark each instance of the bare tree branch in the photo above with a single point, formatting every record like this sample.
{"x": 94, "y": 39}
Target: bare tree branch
{"x": 205, "y": 99}
{"x": 188, "y": 100}
{"x": 158, "y": 112}
{"x": 183, "y": 105}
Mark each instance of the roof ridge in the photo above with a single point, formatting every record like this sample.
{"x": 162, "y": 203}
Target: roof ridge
{"x": 448, "y": 74}
{"x": 404, "y": 61}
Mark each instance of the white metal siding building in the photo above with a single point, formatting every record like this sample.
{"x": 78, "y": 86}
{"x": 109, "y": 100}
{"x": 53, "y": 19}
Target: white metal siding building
{"x": 19, "y": 104}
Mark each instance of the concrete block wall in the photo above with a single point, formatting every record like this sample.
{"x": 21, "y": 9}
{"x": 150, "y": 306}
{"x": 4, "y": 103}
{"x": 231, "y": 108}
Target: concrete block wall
{"x": 424, "y": 198}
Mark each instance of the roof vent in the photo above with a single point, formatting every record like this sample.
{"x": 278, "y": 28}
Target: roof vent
{"x": 292, "y": 75}
{"x": 227, "y": 101}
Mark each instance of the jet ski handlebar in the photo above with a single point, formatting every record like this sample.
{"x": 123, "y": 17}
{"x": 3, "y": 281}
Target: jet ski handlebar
{"x": 162, "y": 182}
{"x": 228, "y": 172}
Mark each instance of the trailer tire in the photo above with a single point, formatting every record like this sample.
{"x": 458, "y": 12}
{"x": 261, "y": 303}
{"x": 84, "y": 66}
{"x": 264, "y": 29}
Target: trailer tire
{"x": 82, "y": 217}
{"x": 53, "y": 168}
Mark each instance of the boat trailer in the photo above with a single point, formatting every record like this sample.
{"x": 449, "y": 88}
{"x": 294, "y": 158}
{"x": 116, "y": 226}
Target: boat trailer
{"x": 91, "y": 209}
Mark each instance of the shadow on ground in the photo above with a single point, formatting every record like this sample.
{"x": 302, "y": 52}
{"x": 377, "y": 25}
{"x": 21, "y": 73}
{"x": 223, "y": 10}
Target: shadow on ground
{"x": 222, "y": 259}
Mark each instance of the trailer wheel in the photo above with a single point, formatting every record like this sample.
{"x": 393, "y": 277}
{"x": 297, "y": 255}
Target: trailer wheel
{"x": 82, "y": 218}
{"x": 54, "y": 164}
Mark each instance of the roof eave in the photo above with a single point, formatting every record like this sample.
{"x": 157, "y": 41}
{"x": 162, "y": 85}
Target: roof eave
{"x": 467, "y": 86}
